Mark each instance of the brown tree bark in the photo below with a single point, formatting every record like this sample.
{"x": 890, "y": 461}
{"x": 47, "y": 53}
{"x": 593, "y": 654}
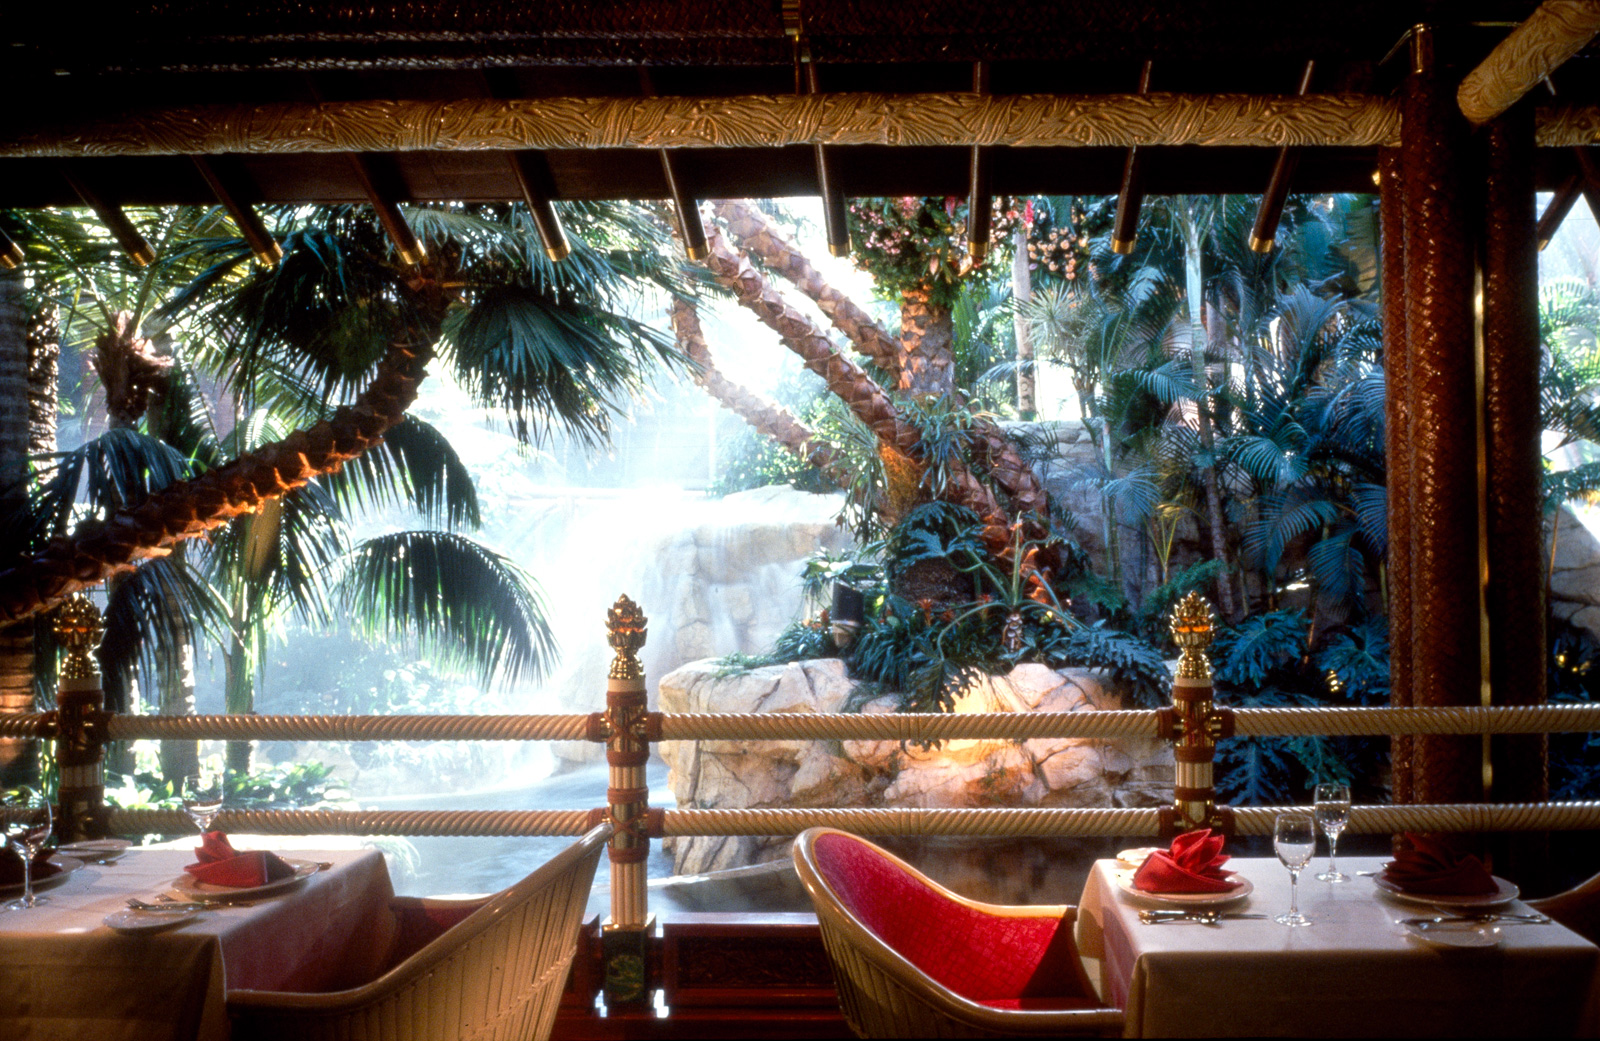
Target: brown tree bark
{"x": 753, "y": 232}
{"x": 766, "y": 416}
{"x": 18, "y": 758}
{"x": 926, "y": 334}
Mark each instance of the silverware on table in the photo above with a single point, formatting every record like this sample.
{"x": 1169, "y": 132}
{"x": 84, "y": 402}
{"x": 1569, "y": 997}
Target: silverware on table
{"x": 168, "y": 906}
{"x": 1198, "y": 917}
{"x": 1477, "y": 919}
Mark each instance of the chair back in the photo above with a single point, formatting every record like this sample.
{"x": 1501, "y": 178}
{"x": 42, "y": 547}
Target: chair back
{"x": 496, "y": 976}
{"x": 912, "y": 959}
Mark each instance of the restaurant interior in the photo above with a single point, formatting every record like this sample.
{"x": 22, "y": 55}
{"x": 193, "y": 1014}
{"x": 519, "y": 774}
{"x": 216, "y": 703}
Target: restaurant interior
{"x": 1475, "y": 123}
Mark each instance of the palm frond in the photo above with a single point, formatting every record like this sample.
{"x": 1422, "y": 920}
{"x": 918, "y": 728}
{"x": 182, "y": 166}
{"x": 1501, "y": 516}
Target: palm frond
{"x": 159, "y": 608}
{"x": 119, "y": 468}
{"x": 415, "y": 464}
{"x": 460, "y": 599}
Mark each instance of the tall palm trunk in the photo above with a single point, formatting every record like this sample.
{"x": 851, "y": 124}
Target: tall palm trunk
{"x": 1194, "y": 282}
{"x": 191, "y": 508}
{"x": 18, "y": 758}
{"x": 1021, "y": 293}
{"x": 927, "y": 332}
{"x": 753, "y": 232}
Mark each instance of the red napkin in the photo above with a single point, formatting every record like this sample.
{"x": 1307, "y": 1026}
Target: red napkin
{"x": 221, "y": 865}
{"x": 1428, "y": 867}
{"x": 1192, "y": 865}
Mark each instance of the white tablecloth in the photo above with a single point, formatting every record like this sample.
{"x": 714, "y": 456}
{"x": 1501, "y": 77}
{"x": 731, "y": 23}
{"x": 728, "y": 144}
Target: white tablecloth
{"x": 1354, "y": 972}
{"x": 64, "y": 975}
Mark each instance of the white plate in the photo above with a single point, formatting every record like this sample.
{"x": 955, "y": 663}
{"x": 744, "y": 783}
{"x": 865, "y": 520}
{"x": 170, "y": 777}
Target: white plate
{"x": 186, "y": 884}
{"x": 1135, "y": 857}
{"x": 96, "y": 849}
{"x": 131, "y": 921}
{"x": 1242, "y": 888}
{"x": 67, "y": 865}
{"x": 1455, "y": 934}
{"x": 1504, "y": 893}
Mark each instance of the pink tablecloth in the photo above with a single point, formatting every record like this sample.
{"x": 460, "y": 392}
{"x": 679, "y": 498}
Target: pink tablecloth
{"x": 65, "y": 975}
{"x": 1354, "y": 972}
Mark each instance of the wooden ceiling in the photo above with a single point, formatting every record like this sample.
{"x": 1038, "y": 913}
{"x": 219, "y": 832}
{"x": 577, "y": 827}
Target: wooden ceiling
{"x": 67, "y": 68}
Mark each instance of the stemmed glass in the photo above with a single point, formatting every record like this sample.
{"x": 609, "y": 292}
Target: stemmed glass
{"x": 27, "y": 822}
{"x": 1294, "y": 837}
{"x": 202, "y": 797}
{"x": 1333, "y": 813}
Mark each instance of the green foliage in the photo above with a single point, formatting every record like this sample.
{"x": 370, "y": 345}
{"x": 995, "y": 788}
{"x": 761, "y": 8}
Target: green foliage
{"x": 1262, "y": 645}
{"x": 1134, "y": 664}
{"x": 1159, "y": 602}
{"x": 1573, "y": 677}
{"x": 913, "y": 243}
{"x": 287, "y": 786}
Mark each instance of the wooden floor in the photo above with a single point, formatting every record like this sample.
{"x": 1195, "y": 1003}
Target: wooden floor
{"x": 714, "y": 976}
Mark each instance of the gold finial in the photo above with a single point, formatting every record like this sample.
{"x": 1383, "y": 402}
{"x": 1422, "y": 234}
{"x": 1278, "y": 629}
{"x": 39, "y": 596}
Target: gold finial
{"x": 627, "y": 632}
{"x": 1192, "y": 627}
{"x": 79, "y": 629}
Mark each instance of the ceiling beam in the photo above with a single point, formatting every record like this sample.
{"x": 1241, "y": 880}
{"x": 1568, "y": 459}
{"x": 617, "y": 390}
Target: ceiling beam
{"x": 1536, "y": 48}
{"x": 760, "y": 121}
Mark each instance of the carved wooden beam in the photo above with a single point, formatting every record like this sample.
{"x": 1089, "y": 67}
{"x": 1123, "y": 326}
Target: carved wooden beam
{"x": 747, "y": 121}
{"x": 1552, "y": 34}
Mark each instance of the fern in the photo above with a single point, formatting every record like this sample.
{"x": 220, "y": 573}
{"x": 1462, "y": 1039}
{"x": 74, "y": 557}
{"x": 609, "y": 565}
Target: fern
{"x": 1133, "y": 663}
{"x": 1260, "y": 645}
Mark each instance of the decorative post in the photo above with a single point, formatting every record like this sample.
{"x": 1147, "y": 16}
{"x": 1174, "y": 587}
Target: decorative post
{"x": 1196, "y": 725}
{"x": 80, "y": 734}
{"x": 625, "y": 938}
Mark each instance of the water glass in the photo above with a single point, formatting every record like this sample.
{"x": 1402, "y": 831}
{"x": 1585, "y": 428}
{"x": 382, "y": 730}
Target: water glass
{"x": 1294, "y": 838}
{"x": 202, "y": 797}
{"x": 28, "y": 822}
{"x": 1333, "y": 813}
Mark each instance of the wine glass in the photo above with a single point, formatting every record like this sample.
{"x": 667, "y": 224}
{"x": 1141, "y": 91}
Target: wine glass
{"x": 1294, "y": 837}
{"x": 1333, "y": 813}
{"x": 202, "y": 797}
{"x": 27, "y": 823}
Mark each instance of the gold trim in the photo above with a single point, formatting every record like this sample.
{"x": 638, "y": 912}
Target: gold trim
{"x": 413, "y": 257}
{"x": 838, "y": 250}
{"x": 697, "y": 252}
{"x": 626, "y": 632}
{"x": 269, "y": 258}
{"x": 1192, "y": 627}
{"x": 1261, "y": 245}
{"x": 144, "y": 256}
{"x": 11, "y": 259}
{"x": 558, "y": 253}
{"x": 78, "y": 627}
{"x": 741, "y": 121}
{"x": 1123, "y": 246}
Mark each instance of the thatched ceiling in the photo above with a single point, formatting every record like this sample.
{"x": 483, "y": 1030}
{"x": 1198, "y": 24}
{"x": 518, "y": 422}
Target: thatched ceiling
{"x": 65, "y": 69}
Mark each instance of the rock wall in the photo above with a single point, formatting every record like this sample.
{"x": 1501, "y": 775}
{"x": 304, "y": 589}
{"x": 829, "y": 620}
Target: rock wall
{"x": 759, "y": 774}
{"x": 1575, "y": 574}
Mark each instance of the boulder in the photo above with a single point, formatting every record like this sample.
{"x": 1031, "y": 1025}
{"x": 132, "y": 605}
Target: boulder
{"x": 739, "y": 774}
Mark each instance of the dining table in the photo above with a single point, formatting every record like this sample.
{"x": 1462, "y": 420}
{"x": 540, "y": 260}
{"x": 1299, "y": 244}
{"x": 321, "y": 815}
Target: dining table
{"x": 66, "y": 975}
{"x": 1356, "y": 970}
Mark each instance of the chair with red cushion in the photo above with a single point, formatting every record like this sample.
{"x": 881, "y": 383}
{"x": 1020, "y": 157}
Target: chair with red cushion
{"x": 912, "y": 959}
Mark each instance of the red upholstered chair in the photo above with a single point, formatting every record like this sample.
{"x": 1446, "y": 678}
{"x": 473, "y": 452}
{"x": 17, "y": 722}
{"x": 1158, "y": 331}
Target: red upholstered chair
{"x": 912, "y": 959}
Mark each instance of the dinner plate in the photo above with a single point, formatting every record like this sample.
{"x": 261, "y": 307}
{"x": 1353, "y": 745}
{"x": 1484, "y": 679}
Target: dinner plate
{"x": 1455, "y": 934}
{"x": 1135, "y": 857}
{"x": 96, "y": 849}
{"x": 1504, "y": 893}
{"x": 131, "y": 921}
{"x": 64, "y": 866}
{"x": 188, "y": 886}
{"x": 1242, "y": 889}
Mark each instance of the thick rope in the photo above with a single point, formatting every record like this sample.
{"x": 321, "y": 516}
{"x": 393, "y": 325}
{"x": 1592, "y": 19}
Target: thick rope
{"x": 1011, "y": 726}
{"x": 349, "y": 728}
{"x": 360, "y": 822}
{"x": 1346, "y": 722}
{"x": 1463, "y": 817}
{"x": 32, "y": 725}
{"x": 994, "y": 822}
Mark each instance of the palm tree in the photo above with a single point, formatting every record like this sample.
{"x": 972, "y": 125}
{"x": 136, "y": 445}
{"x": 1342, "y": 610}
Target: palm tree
{"x": 549, "y": 345}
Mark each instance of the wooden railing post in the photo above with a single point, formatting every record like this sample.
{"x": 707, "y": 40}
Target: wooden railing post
{"x": 1195, "y": 723}
{"x": 80, "y": 734}
{"x": 625, "y": 938}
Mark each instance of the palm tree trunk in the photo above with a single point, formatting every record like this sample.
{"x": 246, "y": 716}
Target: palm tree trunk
{"x": 1197, "y": 360}
{"x": 191, "y": 508}
{"x": 19, "y": 759}
{"x": 1021, "y": 293}
{"x": 175, "y": 677}
{"x": 768, "y": 417}
{"x": 927, "y": 329}
{"x": 756, "y": 234}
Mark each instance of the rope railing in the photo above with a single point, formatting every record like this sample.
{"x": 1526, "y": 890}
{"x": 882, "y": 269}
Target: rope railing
{"x": 348, "y": 728}
{"x": 360, "y": 822}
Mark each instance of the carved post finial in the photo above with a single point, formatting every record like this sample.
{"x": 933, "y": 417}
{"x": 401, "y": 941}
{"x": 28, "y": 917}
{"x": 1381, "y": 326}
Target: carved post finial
{"x": 1193, "y": 625}
{"x": 79, "y": 628}
{"x": 627, "y": 629}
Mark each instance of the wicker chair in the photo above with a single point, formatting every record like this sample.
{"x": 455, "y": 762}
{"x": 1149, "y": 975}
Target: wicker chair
{"x": 495, "y": 975}
{"x": 1577, "y": 908}
{"x": 912, "y": 959}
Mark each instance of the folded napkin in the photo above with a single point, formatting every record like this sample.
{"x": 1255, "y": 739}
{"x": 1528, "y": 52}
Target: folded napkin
{"x": 222, "y": 865}
{"x": 1192, "y": 865}
{"x": 1429, "y": 867}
